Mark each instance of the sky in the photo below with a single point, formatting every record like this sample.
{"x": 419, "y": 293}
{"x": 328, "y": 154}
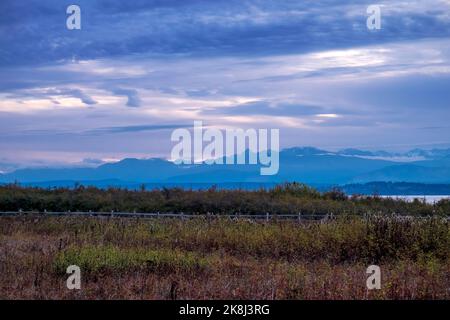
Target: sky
{"x": 137, "y": 70}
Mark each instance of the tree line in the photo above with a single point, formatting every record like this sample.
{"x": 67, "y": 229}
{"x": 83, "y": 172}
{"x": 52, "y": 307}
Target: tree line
{"x": 287, "y": 198}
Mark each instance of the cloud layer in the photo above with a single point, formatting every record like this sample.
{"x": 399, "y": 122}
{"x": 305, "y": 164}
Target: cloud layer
{"x": 137, "y": 70}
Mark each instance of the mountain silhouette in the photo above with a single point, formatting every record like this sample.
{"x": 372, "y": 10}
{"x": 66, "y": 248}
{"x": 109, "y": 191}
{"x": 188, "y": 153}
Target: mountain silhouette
{"x": 305, "y": 164}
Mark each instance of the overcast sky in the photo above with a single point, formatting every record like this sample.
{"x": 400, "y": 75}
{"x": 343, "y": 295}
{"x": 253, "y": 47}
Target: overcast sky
{"x": 139, "y": 69}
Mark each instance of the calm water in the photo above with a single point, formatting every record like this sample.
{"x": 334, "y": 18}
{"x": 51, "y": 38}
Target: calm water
{"x": 428, "y": 199}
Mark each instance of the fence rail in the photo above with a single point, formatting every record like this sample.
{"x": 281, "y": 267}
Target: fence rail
{"x": 114, "y": 214}
{"x": 156, "y": 215}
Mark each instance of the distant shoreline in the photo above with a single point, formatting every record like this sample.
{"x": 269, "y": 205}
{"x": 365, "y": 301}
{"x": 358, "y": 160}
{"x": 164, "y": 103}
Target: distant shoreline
{"x": 427, "y": 198}
{"x": 385, "y": 189}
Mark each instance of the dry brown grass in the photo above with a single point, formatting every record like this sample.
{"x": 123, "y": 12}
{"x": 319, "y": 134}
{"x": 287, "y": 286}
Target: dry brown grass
{"x": 221, "y": 259}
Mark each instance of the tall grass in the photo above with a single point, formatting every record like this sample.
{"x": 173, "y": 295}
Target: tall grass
{"x": 172, "y": 259}
{"x": 110, "y": 259}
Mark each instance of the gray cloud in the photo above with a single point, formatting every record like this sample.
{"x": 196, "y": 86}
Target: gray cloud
{"x": 205, "y": 28}
{"x": 131, "y": 94}
{"x": 272, "y": 109}
{"x": 138, "y": 128}
{"x": 82, "y": 96}
{"x": 50, "y": 93}
{"x": 201, "y": 58}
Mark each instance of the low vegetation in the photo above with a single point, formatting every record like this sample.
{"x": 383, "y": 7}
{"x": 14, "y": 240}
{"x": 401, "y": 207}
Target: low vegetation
{"x": 289, "y": 198}
{"x": 222, "y": 258}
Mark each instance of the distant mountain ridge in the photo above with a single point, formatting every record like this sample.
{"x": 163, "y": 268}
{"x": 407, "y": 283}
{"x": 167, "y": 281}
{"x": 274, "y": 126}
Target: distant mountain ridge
{"x": 414, "y": 154}
{"x": 305, "y": 164}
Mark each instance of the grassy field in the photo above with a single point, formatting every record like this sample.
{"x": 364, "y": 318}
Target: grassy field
{"x": 223, "y": 259}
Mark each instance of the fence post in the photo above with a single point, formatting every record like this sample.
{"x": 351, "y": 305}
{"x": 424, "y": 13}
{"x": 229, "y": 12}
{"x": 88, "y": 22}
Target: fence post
{"x": 300, "y": 216}
{"x": 267, "y": 216}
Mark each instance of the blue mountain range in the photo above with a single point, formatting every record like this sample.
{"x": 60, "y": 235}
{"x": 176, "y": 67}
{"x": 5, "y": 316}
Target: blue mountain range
{"x": 305, "y": 164}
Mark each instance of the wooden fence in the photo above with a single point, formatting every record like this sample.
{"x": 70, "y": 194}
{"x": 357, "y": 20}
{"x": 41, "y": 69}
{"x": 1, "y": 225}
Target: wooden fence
{"x": 156, "y": 215}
